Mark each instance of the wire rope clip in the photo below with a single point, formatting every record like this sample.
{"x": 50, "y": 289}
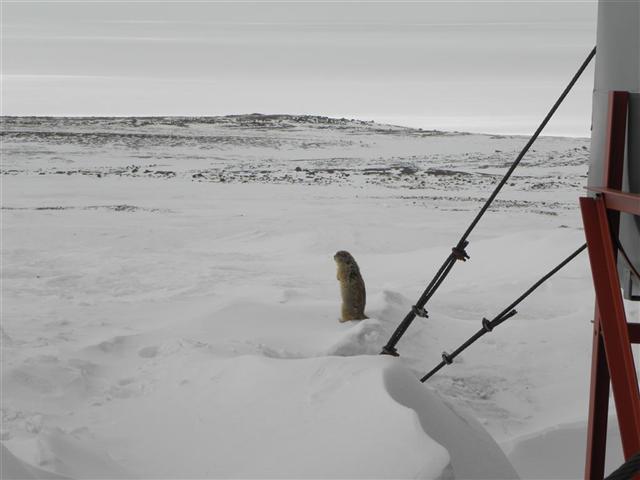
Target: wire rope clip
{"x": 387, "y": 350}
{"x": 419, "y": 311}
{"x": 503, "y": 318}
{"x": 459, "y": 252}
{"x": 486, "y": 325}
{"x": 446, "y": 358}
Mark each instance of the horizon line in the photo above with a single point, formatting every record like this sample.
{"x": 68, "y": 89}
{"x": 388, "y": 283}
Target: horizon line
{"x": 342, "y": 117}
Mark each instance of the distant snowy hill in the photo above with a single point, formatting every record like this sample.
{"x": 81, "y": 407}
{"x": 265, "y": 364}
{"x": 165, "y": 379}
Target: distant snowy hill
{"x": 429, "y": 166}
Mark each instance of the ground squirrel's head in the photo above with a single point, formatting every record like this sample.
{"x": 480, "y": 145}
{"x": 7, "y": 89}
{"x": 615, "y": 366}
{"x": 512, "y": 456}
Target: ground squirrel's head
{"x": 346, "y": 263}
{"x": 344, "y": 257}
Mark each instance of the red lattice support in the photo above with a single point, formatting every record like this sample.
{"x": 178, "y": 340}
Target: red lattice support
{"x": 612, "y": 360}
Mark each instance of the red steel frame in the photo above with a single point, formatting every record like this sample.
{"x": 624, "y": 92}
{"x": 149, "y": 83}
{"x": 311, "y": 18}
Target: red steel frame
{"x": 612, "y": 358}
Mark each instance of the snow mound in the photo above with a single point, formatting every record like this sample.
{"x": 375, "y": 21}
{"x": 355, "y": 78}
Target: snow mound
{"x": 69, "y": 455}
{"x": 15, "y": 469}
{"x": 473, "y": 452}
{"x": 76, "y": 455}
{"x": 261, "y": 417}
{"x": 362, "y": 338}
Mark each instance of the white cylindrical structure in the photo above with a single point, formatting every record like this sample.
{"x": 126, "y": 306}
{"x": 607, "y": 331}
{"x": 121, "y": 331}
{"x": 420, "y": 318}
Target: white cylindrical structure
{"x": 618, "y": 68}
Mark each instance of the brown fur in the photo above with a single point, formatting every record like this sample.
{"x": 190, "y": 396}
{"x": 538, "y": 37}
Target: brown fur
{"x": 352, "y": 288}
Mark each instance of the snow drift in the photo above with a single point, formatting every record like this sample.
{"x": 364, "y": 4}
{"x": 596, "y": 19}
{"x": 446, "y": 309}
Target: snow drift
{"x": 259, "y": 417}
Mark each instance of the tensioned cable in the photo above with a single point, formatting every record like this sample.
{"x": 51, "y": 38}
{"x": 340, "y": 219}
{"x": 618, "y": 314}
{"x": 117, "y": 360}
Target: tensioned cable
{"x": 508, "y": 312}
{"x": 627, "y": 470}
{"x": 629, "y": 263}
{"x": 458, "y": 252}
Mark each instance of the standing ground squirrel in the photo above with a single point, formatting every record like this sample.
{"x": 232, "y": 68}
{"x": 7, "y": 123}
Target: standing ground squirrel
{"x": 352, "y": 289}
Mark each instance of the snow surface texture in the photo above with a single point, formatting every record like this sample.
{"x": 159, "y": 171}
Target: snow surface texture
{"x": 170, "y": 307}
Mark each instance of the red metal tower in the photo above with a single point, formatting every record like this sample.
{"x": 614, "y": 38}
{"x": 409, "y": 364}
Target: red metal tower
{"x": 612, "y": 358}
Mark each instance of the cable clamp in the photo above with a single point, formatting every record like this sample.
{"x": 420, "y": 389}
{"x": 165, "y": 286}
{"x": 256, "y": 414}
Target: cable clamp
{"x": 419, "y": 311}
{"x": 497, "y": 321}
{"x": 446, "y": 358}
{"x": 459, "y": 252}
{"x": 387, "y": 350}
{"x": 486, "y": 325}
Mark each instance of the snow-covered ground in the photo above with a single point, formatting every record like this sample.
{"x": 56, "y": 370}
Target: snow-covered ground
{"x": 170, "y": 307}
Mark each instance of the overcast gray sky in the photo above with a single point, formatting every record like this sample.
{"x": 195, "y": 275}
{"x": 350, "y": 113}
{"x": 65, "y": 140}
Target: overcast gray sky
{"x": 466, "y": 65}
